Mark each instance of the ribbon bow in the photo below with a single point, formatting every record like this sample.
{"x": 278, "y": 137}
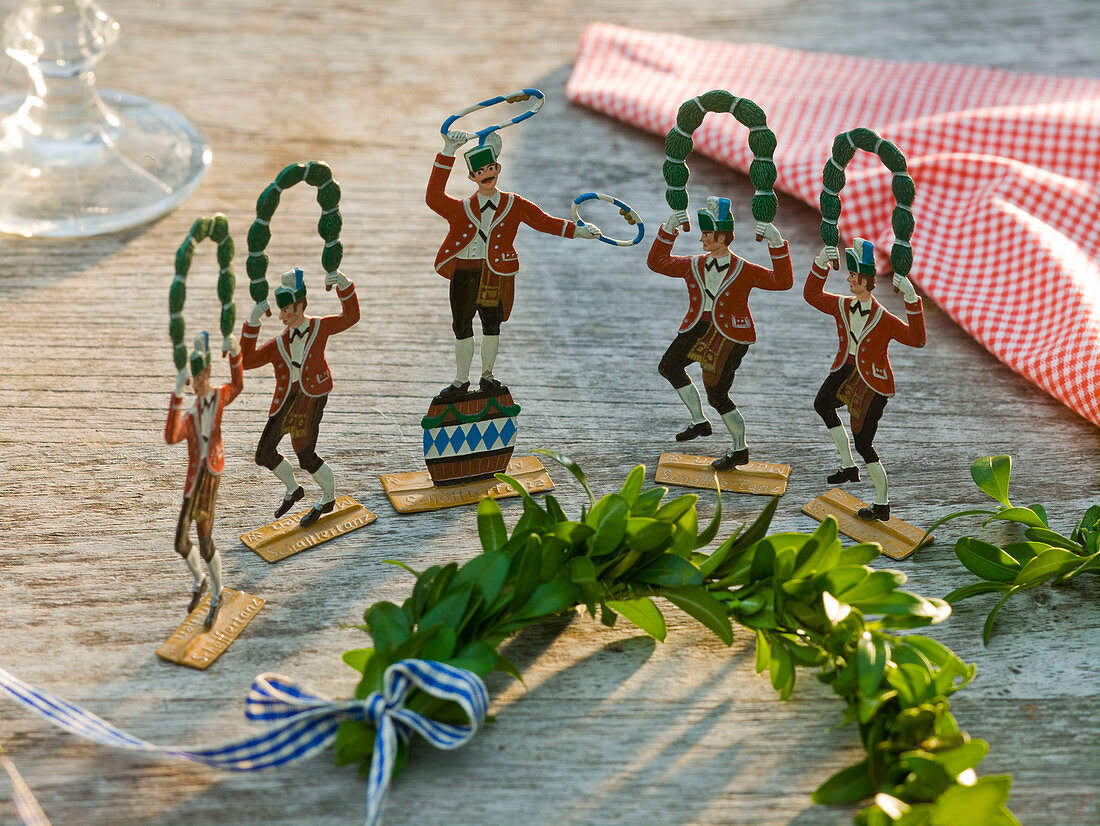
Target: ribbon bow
{"x": 303, "y": 723}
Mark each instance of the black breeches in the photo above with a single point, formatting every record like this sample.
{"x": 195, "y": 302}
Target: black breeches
{"x": 463, "y": 293}
{"x": 717, "y": 383}
{"x": 826, "y": 404}
{"x": 303, "y": 442}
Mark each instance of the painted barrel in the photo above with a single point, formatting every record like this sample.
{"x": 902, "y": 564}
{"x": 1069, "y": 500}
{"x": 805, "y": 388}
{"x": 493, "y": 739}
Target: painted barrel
{"x": 471, "y": 438}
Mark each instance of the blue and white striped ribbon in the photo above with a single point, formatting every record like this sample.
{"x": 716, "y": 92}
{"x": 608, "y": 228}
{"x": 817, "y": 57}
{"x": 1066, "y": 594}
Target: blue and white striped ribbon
{"x": 303, "y": 723}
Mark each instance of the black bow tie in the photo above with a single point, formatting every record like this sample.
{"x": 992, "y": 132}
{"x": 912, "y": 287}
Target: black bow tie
{"x": 490, "y": 207}
{"x": 857, "y": 308}
{"x": 207, "y": 403}
{"x": 713, "y": 264}
{"x": 296, "y": 334}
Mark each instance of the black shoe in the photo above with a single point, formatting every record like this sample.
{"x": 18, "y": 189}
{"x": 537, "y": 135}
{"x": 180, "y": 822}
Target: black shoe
{"x": 490, "y": 384}
{"x": 694, "y": 431}
{"x": 880, "y": 513}
{"x": 845, "y": 474}
{"x": 315, "y": 513}
{"x": 289, "y": 500}
{"x": 212, "y": 614}
{"x": 196, "y": 594}
{"x": 452, "y": 393}
{"x": 732, "y": 459}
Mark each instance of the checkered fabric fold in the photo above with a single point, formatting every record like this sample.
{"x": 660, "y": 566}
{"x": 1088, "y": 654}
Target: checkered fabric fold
{"x": 1007, "y": 170}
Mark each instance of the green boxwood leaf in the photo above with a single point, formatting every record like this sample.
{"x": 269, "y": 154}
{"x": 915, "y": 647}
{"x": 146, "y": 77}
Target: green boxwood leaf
{"x": 871, "y": 659}
{"x": 358, "y": 658}
{"x": 644, "y": 614}
{"x": 987, "y": 629}
{"x": 1025, "y": 516}
{"x": 846, "y": 787}
{"x": 985, "y": 560}
{"x": 354, "y": 742}
{"x": 486, "y": 572}
{"x": 1052, "y": 538}
{"x": 992, "y": 474}
{"x": 448, "y": 612}
{"x": 633, "y": 484}
{"x": 670, "y": 570}
{"x": 549, "y": 598}
{"x": 387, "y": 624}
{"x": 782, "y": 669}
{"x": 583, "y": 572}
{"x": 490, "y": 524}
{"x": 672, "y": 510}
{"x": 441, "y": 646}
{"x": 961, "y": 758}
{"x": 874, "y": 585}
{"x": 975, "y": 589}
{"x": 647, "y": 534}
{"x": 647, "y": 503}
{"x": 763, "y": 651}
{"x": 478, "y": 656}
{"x": 977, "y": 804}
{"x": 1048, "y": 564}
{"x": 698, "y": 603}
{"x": 508, "y": 667}
{"x": 526, "y": 566}
{"x": 569, "y": 465}
{"x": 609, "y": 520}
{"x": 859, "y": 554}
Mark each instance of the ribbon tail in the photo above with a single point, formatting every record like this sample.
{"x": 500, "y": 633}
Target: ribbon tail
{"x": 25, "y": 805}
{"x": 381, "y": 770}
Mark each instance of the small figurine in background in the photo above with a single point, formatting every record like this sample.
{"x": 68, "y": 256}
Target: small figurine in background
{"x": 201, "y": 426}
{"x": 860, "y": 377}
{"x": 478, "y": 255}
{"x": 302, "y": 384}
{"x": 718, "y": 328}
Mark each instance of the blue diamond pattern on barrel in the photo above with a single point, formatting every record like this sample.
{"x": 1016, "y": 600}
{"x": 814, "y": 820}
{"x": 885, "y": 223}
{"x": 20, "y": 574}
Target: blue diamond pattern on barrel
{"x": 473, "y": 437}
{"x": 507, "y": 431}
{"x": 490, "y": 435}
{"x": 428, "y": 442}
{"x": 457, "y": 438}
{"x": 441, "y": 440}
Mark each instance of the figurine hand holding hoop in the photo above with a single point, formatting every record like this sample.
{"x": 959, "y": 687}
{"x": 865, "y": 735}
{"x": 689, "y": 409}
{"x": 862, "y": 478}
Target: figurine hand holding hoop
{"x": 832, "y": 182}
{"x": 216, "y": 228}
{"x": 678, "y": 145}
{"x": 626, "y": 211}
{"x": 316, "y": 174}
{"x": 513, "y": 97}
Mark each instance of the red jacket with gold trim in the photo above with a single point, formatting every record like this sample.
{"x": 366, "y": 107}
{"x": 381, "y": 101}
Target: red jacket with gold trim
{"x": 731, "y": 314}
{"x": 872, "y": 361}
{"x": 186, "y": 426}
{"x": 316, "y": 380}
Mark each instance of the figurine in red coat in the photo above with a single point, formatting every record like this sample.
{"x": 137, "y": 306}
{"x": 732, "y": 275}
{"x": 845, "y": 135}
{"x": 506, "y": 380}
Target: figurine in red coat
{"x": 201, "y": 426}
{"x": 718, "y": 328}
{"x": 302, "y": 384}
{"x": 478, "y": 256}
{"x": 860, "y": 377}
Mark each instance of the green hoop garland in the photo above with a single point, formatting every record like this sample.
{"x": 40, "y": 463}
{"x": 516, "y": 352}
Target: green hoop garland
{"x": 316, "y": 174}
{"x": 678, "y": 145}
{"x": 832, "y": 183}
{"x": 216, "y": 228}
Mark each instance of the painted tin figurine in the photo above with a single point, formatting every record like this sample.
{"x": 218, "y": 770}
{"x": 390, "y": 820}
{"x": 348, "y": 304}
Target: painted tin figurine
{"x": 718, "y": 328}
{"x": 201, "y": 426}
{"x": 302, "y": 384}
{"x": 860, "y": 377}
{"x": 478, "y": 256}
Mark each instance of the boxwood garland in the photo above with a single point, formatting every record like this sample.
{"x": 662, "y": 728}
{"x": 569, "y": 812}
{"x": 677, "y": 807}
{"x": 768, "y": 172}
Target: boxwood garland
{"x": 216, "y": 228}
{"x": 678, "y": 145}
{"x": 832, "y": 183}
{"x": 809, "y": 601}
{"x": 316, "y": 174}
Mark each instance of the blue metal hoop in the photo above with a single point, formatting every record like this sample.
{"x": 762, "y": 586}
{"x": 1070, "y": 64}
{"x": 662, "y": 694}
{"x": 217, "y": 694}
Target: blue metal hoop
{"x": 519, "y": 94}
{"x": 631, "y": 216}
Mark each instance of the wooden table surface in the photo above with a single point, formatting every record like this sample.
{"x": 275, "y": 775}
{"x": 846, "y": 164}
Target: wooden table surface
{"x": 610, "y": 727}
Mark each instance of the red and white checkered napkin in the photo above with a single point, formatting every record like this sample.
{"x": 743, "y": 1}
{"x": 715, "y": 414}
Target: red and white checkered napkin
{"x": 1007, "y": 168}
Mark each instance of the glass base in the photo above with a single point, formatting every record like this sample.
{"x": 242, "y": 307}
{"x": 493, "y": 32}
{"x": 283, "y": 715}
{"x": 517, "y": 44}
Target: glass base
{"x": 136, "y": 162}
